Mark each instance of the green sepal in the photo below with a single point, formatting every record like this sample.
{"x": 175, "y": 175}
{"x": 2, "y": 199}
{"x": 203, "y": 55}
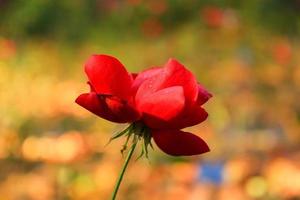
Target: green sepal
{"x": 147, "y": 141}
{"x": 123, "y": 132}
{"x": 129, "y": 134}
{"x": 136, "y": 132}
{"x": 141, "y": 155}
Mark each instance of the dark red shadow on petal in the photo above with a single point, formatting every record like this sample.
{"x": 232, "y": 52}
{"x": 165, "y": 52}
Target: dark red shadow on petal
{"x": 108, "y": 107}
{"x": 179, "y": 143}
{"x": 203, "y": 95}
{"x": 134, "y": 75}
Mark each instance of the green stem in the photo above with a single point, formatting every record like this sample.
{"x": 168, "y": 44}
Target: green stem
{"x": 123, "y": 171}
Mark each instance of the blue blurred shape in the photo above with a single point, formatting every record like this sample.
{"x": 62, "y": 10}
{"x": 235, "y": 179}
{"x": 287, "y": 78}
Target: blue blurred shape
{"x": 211, "y": 172}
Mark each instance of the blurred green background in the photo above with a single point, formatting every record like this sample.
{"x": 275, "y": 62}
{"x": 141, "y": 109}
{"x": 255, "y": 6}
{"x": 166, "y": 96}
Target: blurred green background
{"x": 247, "y": 53}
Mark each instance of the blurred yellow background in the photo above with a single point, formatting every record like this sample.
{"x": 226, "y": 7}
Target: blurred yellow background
{"x": 246, "y": 53}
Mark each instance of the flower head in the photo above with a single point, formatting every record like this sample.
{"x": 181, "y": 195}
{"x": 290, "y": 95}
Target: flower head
{"x": 158, "y": 102}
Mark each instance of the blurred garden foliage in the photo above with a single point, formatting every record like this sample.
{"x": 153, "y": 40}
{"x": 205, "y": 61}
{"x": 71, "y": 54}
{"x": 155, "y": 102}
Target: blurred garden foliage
{"x": 247, "y": 53}
{"x": 78, "y": 20}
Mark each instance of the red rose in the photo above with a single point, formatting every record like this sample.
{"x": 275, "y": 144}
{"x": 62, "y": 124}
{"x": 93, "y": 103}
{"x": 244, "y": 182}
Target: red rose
{"x": 163, "y": 99}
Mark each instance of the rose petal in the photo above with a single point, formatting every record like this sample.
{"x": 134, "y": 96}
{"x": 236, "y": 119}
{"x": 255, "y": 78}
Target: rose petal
{"x": 163, "y": 105}
{"x": 145, "y": 75}
{"x": 177, "y": 74}
{"x": 108, "y": 107}
{"x": 203, "y": 95}
{"x": 172, "y": 74}
{"x": 108, "y": 76}
{"x": 191, "y": 116}
{"x": 179, "y": 143}
{"x": 186, "y": 118}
